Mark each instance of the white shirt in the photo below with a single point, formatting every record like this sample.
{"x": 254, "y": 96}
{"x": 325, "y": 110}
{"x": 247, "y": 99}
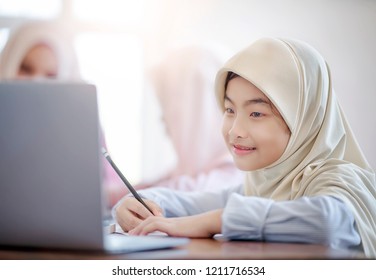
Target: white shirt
{"x": 319, "y": 220}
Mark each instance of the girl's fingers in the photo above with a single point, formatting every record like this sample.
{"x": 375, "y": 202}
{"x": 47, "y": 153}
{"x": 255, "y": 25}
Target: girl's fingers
{"x": 138, "y": 208}
{"x": 130, "y": 213}
{"x": 153, "y": 224}
{"x": 128, "y": 221}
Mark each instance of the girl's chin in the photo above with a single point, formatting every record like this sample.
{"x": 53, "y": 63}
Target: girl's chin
{"x": 244, "y": 164}
{"x": 244, "y": 167}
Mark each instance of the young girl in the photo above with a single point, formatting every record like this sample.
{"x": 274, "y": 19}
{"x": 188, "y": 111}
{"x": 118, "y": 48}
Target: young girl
{"x": 306, "y": 181}
{"x": 38, "y": 50}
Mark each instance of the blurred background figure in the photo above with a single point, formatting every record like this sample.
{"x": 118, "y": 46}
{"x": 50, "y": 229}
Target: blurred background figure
{"x": 38, "y": 50}
{"x": 184, "y": 86}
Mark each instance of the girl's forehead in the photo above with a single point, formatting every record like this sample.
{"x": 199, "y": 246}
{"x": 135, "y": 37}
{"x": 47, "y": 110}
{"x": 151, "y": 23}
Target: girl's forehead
{"x": 243, "y": 89}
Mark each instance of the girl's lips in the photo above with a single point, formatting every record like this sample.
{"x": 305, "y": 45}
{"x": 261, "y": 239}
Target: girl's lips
{"x": 242, "y": 150}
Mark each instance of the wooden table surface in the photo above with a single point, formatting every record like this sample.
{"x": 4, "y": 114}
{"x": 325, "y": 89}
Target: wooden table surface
{"x": 195, "y": 249}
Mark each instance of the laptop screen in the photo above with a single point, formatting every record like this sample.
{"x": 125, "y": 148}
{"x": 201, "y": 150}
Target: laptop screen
{"x": 50, "y": 165}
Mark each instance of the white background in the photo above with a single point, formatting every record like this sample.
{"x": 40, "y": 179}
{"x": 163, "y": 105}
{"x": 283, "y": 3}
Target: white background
{"x": 118, "y": 41}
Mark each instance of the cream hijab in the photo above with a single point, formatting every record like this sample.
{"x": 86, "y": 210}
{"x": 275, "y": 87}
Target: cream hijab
{"x": 322, "y": 156}
{"x": 32, "y": 33}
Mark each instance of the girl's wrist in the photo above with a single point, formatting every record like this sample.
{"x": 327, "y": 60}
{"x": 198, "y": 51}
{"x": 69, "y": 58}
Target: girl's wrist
{"x": 213, "y": 220}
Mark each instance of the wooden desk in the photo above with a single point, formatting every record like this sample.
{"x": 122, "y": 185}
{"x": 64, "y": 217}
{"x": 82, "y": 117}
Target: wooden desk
{"x": 196, "y": 249}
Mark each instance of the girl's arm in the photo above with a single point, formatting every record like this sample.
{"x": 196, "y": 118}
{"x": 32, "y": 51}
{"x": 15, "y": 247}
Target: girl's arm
{"x": 319, "y": 220}
{"x": 129, "y": 213}
{"x": 181, "y": 203}
{"x": 202, "y": 225}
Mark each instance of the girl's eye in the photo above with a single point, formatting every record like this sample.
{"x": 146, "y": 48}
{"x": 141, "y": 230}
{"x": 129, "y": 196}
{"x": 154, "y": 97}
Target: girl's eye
{"x": 229, "y": 111}
{"x": 256, "y": 114}
{"x": 25, "y": 69}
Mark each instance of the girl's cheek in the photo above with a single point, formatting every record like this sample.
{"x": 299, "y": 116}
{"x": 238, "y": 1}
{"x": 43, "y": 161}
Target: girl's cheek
{"x": 224, "y": 124}
{"x": 226, "y": 127}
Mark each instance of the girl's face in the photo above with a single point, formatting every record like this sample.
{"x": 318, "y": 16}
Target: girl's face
{"x": 254, "y": 131}
{"x": 39, "y": 62}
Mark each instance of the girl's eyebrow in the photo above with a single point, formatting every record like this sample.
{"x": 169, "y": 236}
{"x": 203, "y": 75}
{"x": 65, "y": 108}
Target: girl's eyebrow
{"x": 228, "y": 99}
{"x": 251, "y": 101}
{"x": 256, "y": 101}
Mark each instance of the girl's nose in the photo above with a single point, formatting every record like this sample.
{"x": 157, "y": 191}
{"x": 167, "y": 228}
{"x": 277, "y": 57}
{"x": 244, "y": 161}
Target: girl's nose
{"x": 238, "y": 129}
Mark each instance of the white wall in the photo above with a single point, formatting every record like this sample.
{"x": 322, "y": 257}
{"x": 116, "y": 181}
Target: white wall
{"x": 344, "y": 31}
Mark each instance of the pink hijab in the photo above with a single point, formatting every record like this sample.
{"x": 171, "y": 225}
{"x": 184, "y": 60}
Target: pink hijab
{"x": 184, "y": 85}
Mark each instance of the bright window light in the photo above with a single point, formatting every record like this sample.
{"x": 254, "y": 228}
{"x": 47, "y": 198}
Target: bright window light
{"x": 4, "y": 33}
{"x": 109, "y": 11}
{"x": 113, "y": 62}
{"x": 33, "y": 9}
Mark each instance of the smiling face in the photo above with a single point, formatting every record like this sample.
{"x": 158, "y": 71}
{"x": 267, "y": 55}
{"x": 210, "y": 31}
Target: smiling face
{"x": 254, "y": 131}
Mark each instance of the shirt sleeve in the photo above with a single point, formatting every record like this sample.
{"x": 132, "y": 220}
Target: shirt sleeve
{"x": 182, "y": 203}
{"x": 320, "y": 220}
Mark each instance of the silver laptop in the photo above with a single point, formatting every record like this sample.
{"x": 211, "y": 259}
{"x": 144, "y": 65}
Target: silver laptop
{"x": 50, "y": 171}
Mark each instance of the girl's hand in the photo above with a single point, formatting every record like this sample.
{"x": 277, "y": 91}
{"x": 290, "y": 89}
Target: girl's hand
{"x": 203, "y": 225}
{"x": 130, "y": 213}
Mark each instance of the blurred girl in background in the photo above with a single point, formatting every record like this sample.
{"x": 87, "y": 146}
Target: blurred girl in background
{"x": 42, "y": 50}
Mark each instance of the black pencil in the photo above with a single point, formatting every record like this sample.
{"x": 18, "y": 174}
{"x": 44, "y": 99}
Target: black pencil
{"x": 129, "y": 186}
